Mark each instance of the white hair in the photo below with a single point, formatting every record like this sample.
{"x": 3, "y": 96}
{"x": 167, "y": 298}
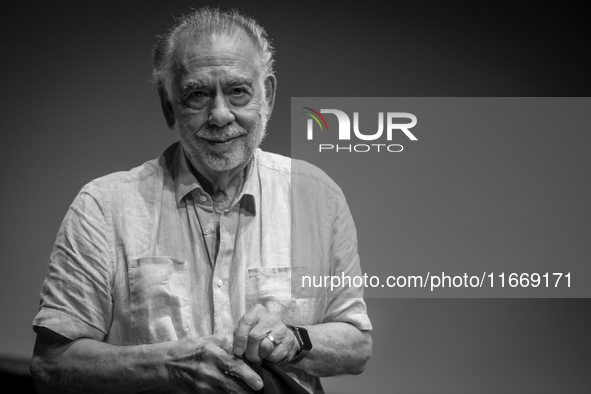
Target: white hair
{"x": 207, "y": 21}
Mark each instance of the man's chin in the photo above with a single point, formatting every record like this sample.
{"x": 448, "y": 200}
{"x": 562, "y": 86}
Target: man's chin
{"x": 219, "y": 159}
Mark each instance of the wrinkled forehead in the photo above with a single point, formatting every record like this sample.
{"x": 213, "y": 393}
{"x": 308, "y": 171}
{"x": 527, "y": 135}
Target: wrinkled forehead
{"x": 217, "y": 49}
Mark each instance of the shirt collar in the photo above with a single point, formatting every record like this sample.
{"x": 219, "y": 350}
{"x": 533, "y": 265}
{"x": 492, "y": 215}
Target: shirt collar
{"x": 185, "y": 182}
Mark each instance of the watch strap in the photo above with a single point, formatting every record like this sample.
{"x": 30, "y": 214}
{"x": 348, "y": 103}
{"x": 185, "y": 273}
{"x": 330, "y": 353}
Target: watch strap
{"x": 304, "y": 348}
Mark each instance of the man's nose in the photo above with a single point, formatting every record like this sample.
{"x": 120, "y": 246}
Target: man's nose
{"x": 220, "y": 114}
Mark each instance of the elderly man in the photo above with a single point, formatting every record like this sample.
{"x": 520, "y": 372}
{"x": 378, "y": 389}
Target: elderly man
{"x": 175, "y": 276}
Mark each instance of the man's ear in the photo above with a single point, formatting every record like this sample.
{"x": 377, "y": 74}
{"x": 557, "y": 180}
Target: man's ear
{"x": 166, "y": 106}
{"x": 270, "y": 91}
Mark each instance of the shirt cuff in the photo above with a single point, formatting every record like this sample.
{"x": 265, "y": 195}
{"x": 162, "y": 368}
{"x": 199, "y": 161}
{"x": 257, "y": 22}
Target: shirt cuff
{"x": 66, "y": 325}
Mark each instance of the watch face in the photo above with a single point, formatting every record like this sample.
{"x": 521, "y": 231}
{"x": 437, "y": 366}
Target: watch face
{"x": 305, "y": 342}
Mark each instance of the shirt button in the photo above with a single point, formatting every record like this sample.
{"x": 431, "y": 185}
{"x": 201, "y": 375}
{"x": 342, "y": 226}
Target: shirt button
{"x": 202, "y": 198}
{"x": 206, "y": 231}
{"x": 219, "y": 284}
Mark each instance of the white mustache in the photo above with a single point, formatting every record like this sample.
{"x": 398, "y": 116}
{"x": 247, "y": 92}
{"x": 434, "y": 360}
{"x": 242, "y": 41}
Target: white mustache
{"x": 225, "y": 133}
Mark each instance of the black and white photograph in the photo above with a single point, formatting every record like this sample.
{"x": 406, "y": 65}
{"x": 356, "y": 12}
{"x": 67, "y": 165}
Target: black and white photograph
{"x": 291, "y": 197}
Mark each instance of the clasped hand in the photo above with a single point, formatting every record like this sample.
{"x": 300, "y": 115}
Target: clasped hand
{"x": 211, "y": 364}
{"x": 254, "y": 335}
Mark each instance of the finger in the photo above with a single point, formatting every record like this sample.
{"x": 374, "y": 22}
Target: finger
{"x": 222, "y": 342}
{"x": 235, "y": 367}
{"x": 227, "y": 346}
{"x": 255, "y": 337}
{"x": 266, "y": 348}
{"x": 242, "y": 332}
{"x": 279, "y": 354}
{"x": 234, "y": 385}
{"x": 286, "y": 345}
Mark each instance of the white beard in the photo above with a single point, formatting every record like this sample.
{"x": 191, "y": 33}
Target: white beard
{"x": 240, "y": 154}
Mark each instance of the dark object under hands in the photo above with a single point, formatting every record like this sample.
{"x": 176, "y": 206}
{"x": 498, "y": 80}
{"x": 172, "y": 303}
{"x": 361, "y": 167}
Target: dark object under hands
{"x": 275, "y": 380}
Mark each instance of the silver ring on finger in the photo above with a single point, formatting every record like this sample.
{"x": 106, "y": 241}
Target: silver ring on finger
{"x": 270, "y": 338}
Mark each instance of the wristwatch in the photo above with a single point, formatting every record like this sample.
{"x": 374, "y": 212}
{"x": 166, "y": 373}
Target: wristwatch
{"x": 303, "y": 339}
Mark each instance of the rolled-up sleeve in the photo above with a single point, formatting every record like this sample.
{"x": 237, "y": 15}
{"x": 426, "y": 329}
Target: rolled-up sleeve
{"x": 76, "y": 297}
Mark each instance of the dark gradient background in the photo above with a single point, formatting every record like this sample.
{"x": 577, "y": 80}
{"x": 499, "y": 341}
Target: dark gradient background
{"x": 76, "y": 104}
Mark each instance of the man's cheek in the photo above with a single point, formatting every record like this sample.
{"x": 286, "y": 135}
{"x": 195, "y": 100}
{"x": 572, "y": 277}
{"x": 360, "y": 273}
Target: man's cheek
{"x": 247, "y": 116}
{"x": 190, "y": 122}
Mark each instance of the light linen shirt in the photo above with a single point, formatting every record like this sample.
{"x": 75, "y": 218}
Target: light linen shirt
{"x": 134, "y": 261}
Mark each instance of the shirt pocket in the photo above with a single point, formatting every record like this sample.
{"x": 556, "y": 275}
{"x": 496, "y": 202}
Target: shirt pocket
{"x": 159, "y": 295}
{"x": 271, "y": 287}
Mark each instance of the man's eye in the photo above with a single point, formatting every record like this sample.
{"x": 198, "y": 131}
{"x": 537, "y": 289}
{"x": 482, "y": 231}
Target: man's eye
{"x": 196, "y": 95}
{"x": 238, "y": 91}
{"x": 197, "y": 99}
